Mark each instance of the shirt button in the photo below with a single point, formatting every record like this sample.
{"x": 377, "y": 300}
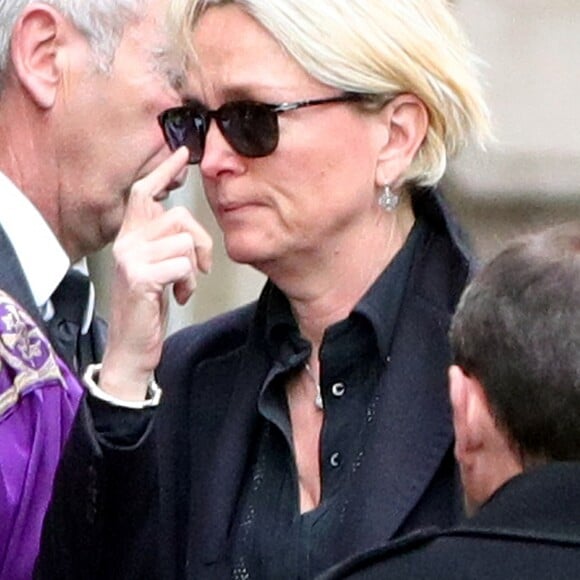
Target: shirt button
{"x": 335, "y": 459}
{"x": 338, "y": 389}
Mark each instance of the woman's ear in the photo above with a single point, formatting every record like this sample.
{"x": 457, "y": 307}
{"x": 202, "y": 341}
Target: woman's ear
{"x": 34, "y": 51}
{"x": 406, "y": 119}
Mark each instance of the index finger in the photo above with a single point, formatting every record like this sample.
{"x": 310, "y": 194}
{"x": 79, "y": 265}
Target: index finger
{"x": 143, "y": 204}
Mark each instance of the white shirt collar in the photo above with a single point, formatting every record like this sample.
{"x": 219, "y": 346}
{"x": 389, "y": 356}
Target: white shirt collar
{"x": 42, "y": 258}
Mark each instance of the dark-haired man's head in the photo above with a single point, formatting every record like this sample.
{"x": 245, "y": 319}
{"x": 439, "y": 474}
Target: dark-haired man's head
{"x": 515, "y": 382}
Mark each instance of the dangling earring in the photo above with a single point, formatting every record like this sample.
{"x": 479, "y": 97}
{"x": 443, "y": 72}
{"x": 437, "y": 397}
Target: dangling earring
{"x": 388, "y": 200}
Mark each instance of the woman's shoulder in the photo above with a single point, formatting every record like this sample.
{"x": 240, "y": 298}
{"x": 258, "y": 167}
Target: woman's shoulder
{"x": 214, "y": 337}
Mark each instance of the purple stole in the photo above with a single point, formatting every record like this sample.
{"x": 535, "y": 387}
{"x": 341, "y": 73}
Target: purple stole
{"x": 39, "y": 396}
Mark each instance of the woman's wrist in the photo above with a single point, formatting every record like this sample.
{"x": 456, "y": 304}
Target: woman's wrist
{"x": 120, "y": 394}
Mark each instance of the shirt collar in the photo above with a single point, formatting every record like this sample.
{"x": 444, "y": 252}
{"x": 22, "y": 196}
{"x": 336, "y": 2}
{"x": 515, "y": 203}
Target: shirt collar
{"x": 380, "y": 305}
{"x": 81, "y": 265}
{"x": 47, "y": 310}
{"x": 382, "y": 302}
{"x": 42, "y": 258}
{"x": 282, "y": 333}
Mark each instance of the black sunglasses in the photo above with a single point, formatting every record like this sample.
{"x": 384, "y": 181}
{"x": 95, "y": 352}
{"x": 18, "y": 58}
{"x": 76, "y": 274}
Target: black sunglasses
{"x": 251, "y": 128}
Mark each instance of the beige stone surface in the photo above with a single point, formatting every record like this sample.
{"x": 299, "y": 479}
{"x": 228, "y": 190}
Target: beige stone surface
{"x": 530, "y": 177}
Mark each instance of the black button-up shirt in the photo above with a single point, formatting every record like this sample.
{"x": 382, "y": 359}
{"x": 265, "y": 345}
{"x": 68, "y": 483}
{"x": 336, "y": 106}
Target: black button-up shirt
{"x": 271, "y": 538}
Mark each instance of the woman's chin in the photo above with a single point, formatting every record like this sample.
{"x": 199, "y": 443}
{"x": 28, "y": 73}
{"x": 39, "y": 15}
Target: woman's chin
{"x": 242, "y": 250}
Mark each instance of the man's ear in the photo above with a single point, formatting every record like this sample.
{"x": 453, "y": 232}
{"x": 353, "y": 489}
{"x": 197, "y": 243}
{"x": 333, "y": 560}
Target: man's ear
{"x": 469, "y": 414}
{"x": 407, "y": 120}
{"x": 34, "y": 49}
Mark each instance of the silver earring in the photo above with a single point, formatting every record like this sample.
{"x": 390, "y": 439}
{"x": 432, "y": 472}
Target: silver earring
{"x": 388, "y": 200}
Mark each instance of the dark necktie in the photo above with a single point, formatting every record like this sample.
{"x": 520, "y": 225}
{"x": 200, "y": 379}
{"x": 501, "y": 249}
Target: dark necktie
{"x": 70, "y": 300}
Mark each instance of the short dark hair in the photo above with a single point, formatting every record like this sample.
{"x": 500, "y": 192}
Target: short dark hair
{"x": 517, "y": 330}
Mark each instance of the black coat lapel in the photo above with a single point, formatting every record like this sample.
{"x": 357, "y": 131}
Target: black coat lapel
{"x": 13, "y": 281}
{"x": 413, "y": 430}
{"x": 235, "y": 442}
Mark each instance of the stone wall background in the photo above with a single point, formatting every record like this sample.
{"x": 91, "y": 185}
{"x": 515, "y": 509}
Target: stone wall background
{"x": 531, "y": 176}
{"x": 528, "y": 178}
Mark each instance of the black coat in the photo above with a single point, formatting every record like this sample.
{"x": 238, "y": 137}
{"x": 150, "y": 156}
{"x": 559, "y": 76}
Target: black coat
{"x": 530, "y": 529}
{"x": 105, "y": 516}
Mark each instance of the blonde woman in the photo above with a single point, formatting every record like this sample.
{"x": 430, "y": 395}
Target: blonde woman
{"x": 314, "y": 423}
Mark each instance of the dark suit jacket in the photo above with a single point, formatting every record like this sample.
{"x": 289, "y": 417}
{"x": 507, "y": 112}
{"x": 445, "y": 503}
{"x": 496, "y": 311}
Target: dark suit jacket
{"x": 529, "y": 529}
{"x": 104, "y": 517}
{"x": 13, "y": 281}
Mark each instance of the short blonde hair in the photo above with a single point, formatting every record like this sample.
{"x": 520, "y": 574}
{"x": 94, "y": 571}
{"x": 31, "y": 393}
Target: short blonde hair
{"x": 382, "y": 48}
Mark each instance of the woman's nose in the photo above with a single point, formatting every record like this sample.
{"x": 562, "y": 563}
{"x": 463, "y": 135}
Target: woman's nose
{"x": 218, "y": 156}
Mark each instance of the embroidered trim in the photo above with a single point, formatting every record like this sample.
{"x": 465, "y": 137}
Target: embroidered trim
{"x": 27, "y": 360}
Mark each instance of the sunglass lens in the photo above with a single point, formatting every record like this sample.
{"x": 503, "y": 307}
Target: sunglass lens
{"x": 184, "y": 126}
{"x": 250, "y": 128}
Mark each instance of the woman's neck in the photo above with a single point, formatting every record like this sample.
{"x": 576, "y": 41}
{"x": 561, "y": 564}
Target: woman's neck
{"x": 326, "y": 290}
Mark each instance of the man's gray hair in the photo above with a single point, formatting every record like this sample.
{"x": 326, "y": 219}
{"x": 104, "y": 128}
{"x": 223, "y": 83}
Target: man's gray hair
{"x": 101, "y": 21}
